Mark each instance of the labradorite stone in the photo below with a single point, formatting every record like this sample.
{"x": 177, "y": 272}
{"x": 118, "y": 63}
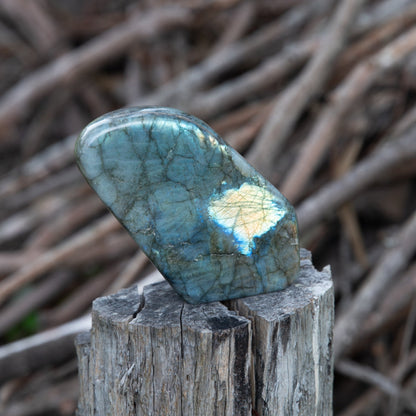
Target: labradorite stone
{"x": 212, "y": 225}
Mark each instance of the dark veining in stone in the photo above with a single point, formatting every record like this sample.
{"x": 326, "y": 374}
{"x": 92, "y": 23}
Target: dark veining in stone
{"x": 213, "y": 226}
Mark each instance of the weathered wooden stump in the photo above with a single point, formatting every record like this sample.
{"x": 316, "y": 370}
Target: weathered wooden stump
{"x": 155, "y": 355}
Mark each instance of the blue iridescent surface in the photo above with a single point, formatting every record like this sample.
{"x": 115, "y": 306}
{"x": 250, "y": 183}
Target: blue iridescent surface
{"x": 212, "y": 225}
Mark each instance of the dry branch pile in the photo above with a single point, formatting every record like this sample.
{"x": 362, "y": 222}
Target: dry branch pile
{"x": 320, "y": 96}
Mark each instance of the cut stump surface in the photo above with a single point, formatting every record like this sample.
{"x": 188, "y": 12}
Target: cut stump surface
{"x": 154, "y": 354}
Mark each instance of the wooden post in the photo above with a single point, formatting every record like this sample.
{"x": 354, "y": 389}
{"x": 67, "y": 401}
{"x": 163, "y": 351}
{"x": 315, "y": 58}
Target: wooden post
{"x": 155, "y": 354}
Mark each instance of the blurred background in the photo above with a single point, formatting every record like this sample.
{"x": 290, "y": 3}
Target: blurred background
{"x": 320, "y": 96}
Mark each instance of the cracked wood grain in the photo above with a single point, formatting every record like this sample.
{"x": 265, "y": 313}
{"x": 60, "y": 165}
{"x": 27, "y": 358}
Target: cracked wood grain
{"x": 154, "y": 354}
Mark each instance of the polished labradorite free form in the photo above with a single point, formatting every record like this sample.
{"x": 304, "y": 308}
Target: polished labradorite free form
{"x": 212, "y": 225}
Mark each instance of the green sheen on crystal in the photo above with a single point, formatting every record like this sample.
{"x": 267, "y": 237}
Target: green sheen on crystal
{"x": 213, "y": 226}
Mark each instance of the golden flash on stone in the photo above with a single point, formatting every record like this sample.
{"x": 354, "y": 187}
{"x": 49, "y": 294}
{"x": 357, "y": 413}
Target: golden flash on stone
{"x": 247, "y": 212}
